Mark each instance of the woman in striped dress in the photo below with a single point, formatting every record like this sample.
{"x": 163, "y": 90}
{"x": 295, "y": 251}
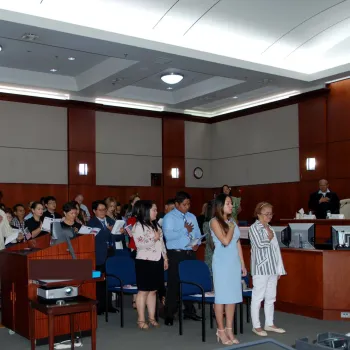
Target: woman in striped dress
{"x": 266, "y": 268}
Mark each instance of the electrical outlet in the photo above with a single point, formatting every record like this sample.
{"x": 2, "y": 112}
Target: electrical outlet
{"x": 345, "y": 314}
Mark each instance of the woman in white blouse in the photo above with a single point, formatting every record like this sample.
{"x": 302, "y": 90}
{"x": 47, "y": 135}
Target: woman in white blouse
{"x": 266, "y": 268}
{"x": 151, "y": 261}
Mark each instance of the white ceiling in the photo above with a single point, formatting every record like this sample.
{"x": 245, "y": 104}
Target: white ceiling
{"x": 252, "y": 49}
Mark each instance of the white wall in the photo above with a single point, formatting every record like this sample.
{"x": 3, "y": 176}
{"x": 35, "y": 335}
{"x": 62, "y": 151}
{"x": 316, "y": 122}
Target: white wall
{"x": 198, "y": 144}
{"x": 256, "y": 149}
{"x": 33, "y": 143}
{"x": 128, "y": 149}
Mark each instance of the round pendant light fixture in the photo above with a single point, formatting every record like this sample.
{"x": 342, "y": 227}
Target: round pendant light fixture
{"x": 172, "y": 78}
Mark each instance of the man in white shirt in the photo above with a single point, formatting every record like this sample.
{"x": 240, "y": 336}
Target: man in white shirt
{"x": 80, "y": 198}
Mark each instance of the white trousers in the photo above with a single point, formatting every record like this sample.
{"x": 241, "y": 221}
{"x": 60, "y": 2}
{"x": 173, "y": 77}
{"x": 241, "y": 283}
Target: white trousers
{"x": 264, "y": 288}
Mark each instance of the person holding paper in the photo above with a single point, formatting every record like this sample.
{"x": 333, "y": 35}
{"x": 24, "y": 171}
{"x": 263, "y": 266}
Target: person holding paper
{"x": 228, "y": 267}
{"x": 179, "y": 227}
{"x": 34, "y": 224}
{"x": 104, "y": 247}
{"x": 70, "y": 214}
{"x": 50, "y": 206}
{"x": 266, "y": 268}
{"x": 151, "y": 261}
{"x": 5, "y": 229}
{"x": 18, "y": 219}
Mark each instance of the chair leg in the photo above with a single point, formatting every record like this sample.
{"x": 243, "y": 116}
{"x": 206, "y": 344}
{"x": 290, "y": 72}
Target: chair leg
{"x": 121, "y": 309}
{"x": 211, "y": 316}
{"x": 241, "y": 318}
{"x": 106, "y": 302}
{"x": 235, "y": 321}
{"x": 180, "y": 313}
{"x": 203, "y": 320}
{"x": 248, "y": 309}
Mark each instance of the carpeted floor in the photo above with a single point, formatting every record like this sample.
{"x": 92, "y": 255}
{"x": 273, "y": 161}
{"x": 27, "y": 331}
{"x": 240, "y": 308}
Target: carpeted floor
{"x": 110, "y": 336}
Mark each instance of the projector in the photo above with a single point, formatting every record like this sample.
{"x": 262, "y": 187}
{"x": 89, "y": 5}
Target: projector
{"x": 57, "y": 293}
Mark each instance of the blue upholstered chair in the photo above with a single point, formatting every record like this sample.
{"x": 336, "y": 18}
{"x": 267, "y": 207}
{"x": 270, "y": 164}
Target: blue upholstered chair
{"x": 120, "y": 272}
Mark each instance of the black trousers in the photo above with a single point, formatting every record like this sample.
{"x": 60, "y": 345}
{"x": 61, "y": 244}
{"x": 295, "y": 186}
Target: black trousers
{"x": 172, "y": 297}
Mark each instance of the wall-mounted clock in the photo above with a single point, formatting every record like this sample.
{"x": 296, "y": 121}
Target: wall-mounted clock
{"x": 198, "y": 173}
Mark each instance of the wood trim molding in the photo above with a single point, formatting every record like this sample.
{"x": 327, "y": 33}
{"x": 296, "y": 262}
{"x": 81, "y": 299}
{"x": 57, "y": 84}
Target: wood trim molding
{"x": 164, "y": 114}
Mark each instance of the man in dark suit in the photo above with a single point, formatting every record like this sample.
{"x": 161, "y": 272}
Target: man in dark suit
{"x": 324, "y": 201}
{"x": 104, "y": 247}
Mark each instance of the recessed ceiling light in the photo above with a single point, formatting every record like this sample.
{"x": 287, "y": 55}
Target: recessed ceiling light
{"x": 235, "y": 97}
{"x": 53, "y": 70}
{"x": 0, "y": 48}
{"x": 169, "y": 88}
{"x": 172, "y": 78}
{"x": 71, "y": 58}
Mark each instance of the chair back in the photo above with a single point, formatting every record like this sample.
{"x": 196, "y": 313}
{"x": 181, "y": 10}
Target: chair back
{"x": 195, "y": 271}
{"x": 123, "y": 267}
{"x": 122, "y": 253}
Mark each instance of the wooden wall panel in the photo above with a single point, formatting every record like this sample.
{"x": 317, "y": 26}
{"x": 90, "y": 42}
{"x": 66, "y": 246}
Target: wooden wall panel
{"x": 338, "y": 159}
{"x": 338, "y": 111}
{"x": 24, "y": 193}
{"x": 313, "y": 121}
{"x": 173, "y": 138}
{"x": 318, "y": 151}
{"x": 81, "y": 145}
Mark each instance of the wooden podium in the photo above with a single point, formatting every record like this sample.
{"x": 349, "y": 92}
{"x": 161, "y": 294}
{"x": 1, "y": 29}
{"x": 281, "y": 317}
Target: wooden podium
{"x": 17, "y": 289}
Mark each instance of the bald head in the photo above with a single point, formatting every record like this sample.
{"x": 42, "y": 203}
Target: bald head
{"x": 323, "y": 185}
{"x": 79, "y": 198}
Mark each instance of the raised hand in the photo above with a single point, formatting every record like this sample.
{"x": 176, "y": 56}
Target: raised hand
{"x": 188, "y": 227}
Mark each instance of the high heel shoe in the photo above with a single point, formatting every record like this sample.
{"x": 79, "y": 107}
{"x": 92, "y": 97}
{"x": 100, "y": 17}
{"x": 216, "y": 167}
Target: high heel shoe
{"x": 233, "y": 339}
{"x": 143, "y": 326}
{"x": 218, "y": 337}
{"x": 153, "y": 323}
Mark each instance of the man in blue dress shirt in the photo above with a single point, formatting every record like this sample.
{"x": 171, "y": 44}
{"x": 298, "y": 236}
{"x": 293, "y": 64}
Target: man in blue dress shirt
{"x": 179, "y": 227}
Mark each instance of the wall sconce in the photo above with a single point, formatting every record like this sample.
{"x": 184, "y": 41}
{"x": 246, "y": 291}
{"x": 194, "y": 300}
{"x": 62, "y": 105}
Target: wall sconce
{"x": 175, "y": 173}
{"x": 83, "y": 169}
{"x": 310, "y": 164}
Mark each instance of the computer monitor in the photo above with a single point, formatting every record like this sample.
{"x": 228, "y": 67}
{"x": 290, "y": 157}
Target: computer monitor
{"x": 282, "y": 235}
{"x": 302, "y": 236}
{"x": 61, "y": 234}
{"x": 341, "y": 237}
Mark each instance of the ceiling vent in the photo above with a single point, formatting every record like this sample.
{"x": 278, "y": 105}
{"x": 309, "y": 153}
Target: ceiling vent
{"x": 29, "y": 37}
{"x": 162, "y": 60}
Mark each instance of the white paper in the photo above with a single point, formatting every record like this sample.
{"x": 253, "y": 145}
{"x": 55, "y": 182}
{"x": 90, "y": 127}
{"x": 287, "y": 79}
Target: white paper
{"x": 195, "y": 241}
{"x": 12, "y": 237}
{"x": 301, "y": 211}
{"x": 117, "y": 226}
{"x": 47, "y": 224}
{"x": 207, "y": 295}
{"x": 85, "y": 230}
{"x": 95, "y": 230}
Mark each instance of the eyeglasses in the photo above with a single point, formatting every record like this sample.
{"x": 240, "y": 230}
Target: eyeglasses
{"x": 267, "y": 214}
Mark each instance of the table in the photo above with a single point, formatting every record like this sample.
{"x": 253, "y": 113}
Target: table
{"x": 78, "y": 305}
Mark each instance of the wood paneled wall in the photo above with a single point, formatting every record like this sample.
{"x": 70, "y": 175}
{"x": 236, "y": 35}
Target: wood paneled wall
{"x": 324, "y": 133}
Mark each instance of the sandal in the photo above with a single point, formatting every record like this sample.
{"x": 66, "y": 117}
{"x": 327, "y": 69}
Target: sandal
{"x": 153, "y": 323}
{"x": 143, "y": 326}
{"x": 233, "y": 339}
{"x": 219, "y": 337}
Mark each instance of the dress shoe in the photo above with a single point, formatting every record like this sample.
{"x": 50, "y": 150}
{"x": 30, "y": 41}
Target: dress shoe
{"x": 112, "y": 310}
{"x": 259, "y": 333}
{"x": 193, "y": 317}
{"x": 169, "y": 321}
{"x": 274, "y": 329}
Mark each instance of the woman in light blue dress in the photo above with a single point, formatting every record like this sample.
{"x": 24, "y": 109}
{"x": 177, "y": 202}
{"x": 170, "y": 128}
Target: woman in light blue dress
{"x": 228, "y": 267}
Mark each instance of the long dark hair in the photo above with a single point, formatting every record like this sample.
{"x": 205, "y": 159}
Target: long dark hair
{"x": 143, "y": 215}
{"x": 219, "y": 210}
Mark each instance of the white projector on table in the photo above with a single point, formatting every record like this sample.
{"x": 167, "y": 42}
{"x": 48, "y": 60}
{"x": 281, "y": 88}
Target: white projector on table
{"x": 57, "y": 293}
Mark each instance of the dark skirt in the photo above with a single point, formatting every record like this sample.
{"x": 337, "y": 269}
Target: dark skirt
{"x": 149, "y": 274}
